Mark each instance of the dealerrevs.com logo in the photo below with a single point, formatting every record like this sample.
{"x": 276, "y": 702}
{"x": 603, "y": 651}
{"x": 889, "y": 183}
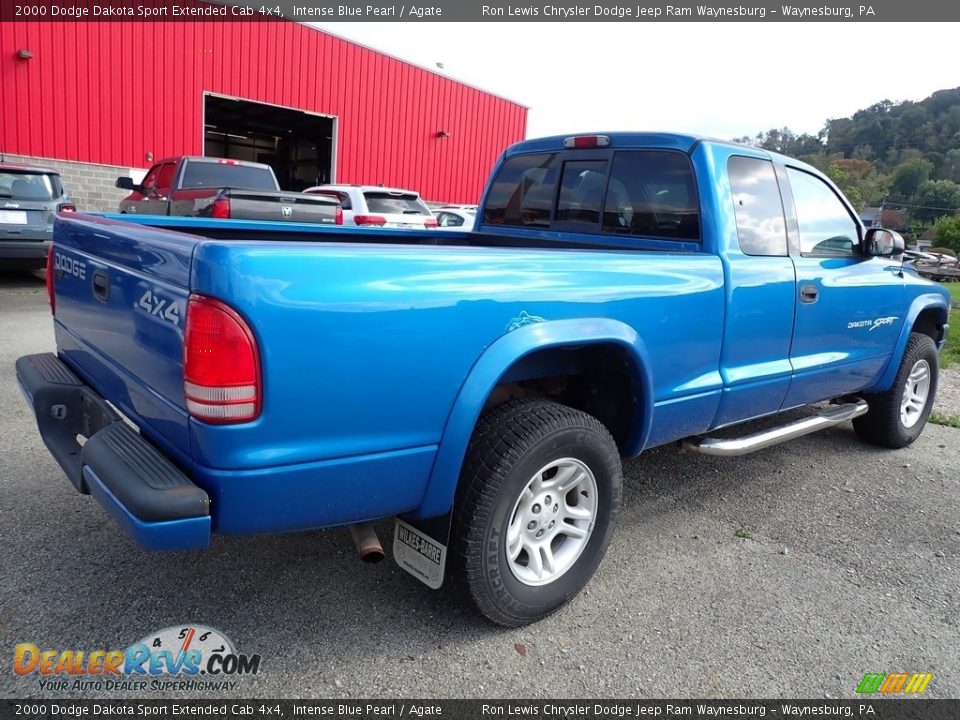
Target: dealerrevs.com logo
{"x": 183, "y": 657}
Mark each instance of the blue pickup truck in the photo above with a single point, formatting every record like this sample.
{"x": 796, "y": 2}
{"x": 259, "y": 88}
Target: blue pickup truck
{"x": 619, "y": 292}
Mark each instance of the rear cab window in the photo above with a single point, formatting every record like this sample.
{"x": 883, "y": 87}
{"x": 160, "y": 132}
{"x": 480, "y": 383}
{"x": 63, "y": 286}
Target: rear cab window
{"x": 392, "y": 203}
{"x": 23, "y": 185}
{"x": 581, "y": 192}
{"x": 645, "y": 193}
{"x": 200, "y": 174}
{"x": 523, "y": 193}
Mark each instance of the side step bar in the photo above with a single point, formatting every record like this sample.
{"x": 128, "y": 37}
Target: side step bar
{"x": 828, "y": 417}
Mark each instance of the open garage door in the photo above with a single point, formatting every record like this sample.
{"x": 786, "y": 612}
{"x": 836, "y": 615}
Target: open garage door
{"x": 298, "y": 145}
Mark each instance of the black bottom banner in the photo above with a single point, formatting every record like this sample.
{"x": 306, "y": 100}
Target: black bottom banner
{"x": 873, "y": 709}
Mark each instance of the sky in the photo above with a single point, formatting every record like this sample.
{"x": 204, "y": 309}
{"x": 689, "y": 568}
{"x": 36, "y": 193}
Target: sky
{"x": 721, "y": 80}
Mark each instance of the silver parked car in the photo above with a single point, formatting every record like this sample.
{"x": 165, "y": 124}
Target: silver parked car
{"x": 30, "y": 198}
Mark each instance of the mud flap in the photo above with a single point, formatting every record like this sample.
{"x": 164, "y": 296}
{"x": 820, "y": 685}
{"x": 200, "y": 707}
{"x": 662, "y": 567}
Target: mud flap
{"x": 420, "y": 548}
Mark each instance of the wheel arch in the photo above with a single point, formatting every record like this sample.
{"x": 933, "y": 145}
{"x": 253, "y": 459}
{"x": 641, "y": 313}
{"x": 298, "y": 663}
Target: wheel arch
{"x": 928, "y": 314}
{"x": 522, "y": 353}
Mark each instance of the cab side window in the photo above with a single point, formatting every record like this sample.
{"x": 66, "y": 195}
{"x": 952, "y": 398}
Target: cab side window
{"x": 165, "y": 178}
{"x": 761, "y": 228}
{"x": 826, "y": 227}
{"x": 150, "y": 181}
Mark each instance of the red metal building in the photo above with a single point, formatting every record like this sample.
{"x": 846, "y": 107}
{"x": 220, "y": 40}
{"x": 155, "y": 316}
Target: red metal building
{"x": 316, "y": 107}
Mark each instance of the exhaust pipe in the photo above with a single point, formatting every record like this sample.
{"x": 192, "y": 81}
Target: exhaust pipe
{"x": 367, "y": 543}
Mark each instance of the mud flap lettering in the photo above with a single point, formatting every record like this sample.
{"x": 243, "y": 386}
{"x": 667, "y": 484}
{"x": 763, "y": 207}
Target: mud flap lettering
{"x": 419, "y": 554}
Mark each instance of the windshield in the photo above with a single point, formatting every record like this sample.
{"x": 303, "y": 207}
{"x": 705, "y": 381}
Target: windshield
{"x": 401, "y": 204}
{"x": 17, "y": 185}
{"x": 222, "y": 175}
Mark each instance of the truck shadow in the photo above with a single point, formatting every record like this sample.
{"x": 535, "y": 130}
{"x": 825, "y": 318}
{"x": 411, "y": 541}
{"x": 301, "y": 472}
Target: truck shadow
{"x": 308, "y": 596}
{"x": 16, "y": 279}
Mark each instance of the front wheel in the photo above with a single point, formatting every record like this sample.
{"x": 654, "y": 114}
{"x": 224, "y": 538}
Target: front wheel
{"x": 535, "y": 508}
{"x": 897, "y": 417}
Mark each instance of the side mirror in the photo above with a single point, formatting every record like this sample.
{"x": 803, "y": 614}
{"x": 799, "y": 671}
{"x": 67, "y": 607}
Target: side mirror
{"x": 883, "y": 243}
{"x": 127, "y": 183}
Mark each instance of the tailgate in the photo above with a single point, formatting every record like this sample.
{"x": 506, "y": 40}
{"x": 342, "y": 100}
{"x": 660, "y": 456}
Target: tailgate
{"x": 121, "y": 293}
{"x": 294, "y": 207}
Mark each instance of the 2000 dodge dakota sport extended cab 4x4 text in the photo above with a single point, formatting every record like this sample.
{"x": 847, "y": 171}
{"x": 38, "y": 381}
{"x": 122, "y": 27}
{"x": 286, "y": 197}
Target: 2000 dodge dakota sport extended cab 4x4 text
{"x": 619, "y": 292}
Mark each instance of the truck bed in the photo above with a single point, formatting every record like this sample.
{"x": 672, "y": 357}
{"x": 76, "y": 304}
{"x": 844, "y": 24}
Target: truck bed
{"x": 343, "y": 320}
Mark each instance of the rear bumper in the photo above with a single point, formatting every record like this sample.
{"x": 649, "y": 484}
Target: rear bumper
{"x": 139, "y": 487}
{"x": 28, "y": 246}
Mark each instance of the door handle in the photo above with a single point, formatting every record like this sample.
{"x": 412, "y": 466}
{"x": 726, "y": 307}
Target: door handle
{"x": 101, "y": 286}
{"x": 809, "y": 293}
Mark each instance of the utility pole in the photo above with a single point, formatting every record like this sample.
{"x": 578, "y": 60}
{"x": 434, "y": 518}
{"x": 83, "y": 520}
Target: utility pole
{"x": 916, "y": 184}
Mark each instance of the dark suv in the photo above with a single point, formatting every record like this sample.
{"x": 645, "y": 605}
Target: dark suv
{"x": 30, "y": 198}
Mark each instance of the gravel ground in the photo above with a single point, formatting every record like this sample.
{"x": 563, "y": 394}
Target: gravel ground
{"x": 790, "y": 572}
{"x": 948, "y": 394}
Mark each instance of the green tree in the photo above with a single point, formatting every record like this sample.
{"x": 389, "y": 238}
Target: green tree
{"x": 859, "y": 179}
{"x": 854, "y": 196}
{"x": 936, "y": 198}
{"x": 837, "y": 174}
{"x": 777, "y": 140}
{"x": 947, "y": 232}
{"x": 908, "y": 176}
{"x": 887, "y": 134}
{"x": 952, "y": 164}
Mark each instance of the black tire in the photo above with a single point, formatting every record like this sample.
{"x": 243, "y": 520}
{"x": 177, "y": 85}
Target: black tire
{"x": 882, "y": 425}
{"x": 510, "y": 444}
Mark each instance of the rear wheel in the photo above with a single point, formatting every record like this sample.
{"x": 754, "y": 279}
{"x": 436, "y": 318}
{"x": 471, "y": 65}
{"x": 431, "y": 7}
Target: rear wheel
{"x": 897, "y": 417}
{"x": 535, "y": 508}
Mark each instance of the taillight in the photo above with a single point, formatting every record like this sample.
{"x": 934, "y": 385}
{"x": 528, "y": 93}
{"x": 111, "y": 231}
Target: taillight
{"x": 430, "y": 222}
{"x": 66, "y": 207}
{"x": 369, "y": 220}
{"x": 221, "y": 364}
{"x": 586, "y": 141}
{"x": 51, "y": 296}
{"x": 338, "y": 216}
{"x": 220, "y": 208}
